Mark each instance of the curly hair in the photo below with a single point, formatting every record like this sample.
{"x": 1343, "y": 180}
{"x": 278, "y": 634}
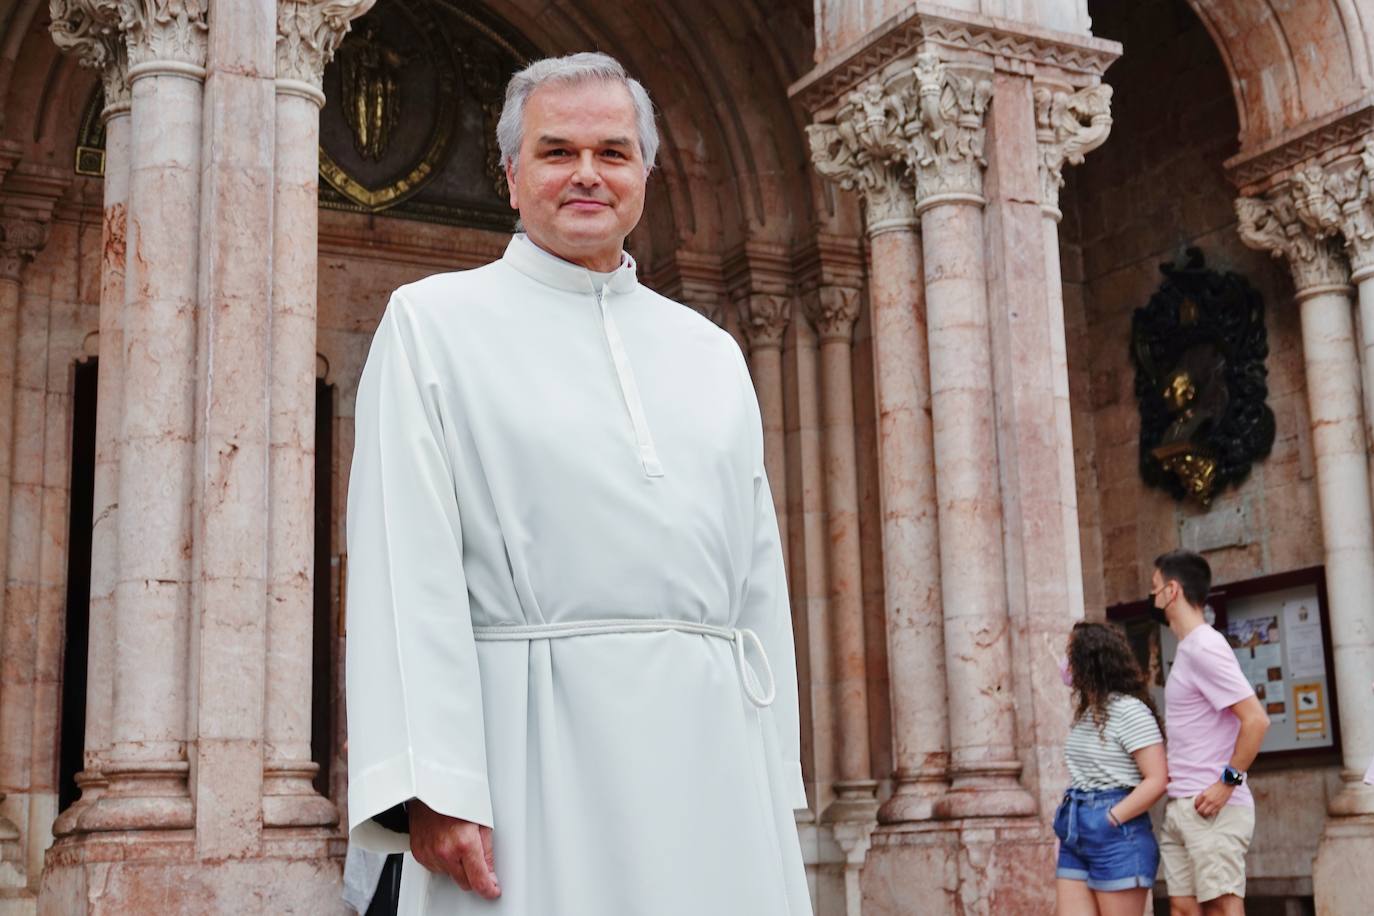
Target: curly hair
{"x": 1101, "y": 663}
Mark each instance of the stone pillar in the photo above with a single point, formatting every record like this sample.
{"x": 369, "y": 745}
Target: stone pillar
{"x": 833, "y": 311}
{"x": 23, "y": 232}
{"x": 307, "y": 34}
{"x": 1069, "y": 125}
{"x": 147, "y": 766}
{"x": 92, "y": 34}
{"x": 230, "y": 497}
{"x": 911, "y": 562}
{"x": 1321, "y": 277}
{"x": 947, "y": 161}
{"x": 1034, "y": 423}
{"x": 764, "y": 318}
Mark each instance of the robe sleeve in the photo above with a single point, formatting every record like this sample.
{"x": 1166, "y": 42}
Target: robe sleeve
{"x": 414, "y": 697}
{"x": 767, "y": 611}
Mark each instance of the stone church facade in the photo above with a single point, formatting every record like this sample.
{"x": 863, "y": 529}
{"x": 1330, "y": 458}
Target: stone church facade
{"x": 928, "y": 226}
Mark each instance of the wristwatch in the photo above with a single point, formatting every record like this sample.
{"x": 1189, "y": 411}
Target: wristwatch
{"x": 1232, "y": 776}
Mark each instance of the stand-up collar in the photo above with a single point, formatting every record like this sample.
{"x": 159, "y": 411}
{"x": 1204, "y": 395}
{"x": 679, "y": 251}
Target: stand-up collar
{"x": 530, "y": 260}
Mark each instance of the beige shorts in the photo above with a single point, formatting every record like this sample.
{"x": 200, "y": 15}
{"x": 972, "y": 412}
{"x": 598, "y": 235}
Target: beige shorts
{"x": 1205, "y": 857}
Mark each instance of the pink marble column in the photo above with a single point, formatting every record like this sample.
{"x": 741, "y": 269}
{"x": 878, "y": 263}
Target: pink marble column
{"x": 231, "y": 500}
{"x": 105, "y": 504}
{"x": 764, "y": 318}
{"x": 833, "y": 310}
{"x": 1035, "y": 436}
{"x": 1069, "y": 125}
{"x": 306, "y": 38}
{"x": 911, "y": 536}
{"x": 22, "y": 486}
{"x": 984, "y": 768}
{"x": 1334, "y": 394}
{"x": 11, "y": 854}
{"x": 147, "y": 765}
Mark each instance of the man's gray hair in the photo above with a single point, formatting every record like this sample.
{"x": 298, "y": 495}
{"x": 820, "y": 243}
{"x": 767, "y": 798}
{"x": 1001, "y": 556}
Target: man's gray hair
{"x": 582, "y": 67}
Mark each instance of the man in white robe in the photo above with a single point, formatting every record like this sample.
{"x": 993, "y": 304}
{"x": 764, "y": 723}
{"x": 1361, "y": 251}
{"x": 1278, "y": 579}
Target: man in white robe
{"x": 570, "y": 659}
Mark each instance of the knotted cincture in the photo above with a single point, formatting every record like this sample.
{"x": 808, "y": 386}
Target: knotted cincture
{"x": 759, "y": 695}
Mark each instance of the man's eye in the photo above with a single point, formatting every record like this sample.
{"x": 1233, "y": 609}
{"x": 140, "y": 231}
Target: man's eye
{"x": 614, "y": 153}
{"x": 556, "y": 153}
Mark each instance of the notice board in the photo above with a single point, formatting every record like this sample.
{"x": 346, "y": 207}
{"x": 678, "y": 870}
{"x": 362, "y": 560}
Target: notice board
{"x": 1279, "y": 629}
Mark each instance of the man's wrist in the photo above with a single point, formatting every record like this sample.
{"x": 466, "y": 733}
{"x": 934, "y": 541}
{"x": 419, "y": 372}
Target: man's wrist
{"x": 1232, "y": 777}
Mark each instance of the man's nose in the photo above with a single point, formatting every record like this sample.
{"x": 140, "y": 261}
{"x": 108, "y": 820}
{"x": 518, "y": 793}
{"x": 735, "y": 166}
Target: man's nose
{"x": 586, "y": 173}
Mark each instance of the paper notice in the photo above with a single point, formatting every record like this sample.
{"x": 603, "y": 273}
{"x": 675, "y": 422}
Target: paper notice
{"x": 1303, "y": 634}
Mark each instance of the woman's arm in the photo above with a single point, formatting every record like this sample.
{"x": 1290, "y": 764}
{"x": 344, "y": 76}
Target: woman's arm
{"x": 1154, "y": 777}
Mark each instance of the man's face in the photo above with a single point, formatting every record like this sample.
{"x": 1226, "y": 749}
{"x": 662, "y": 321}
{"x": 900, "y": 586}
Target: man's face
{"x": 579, "y": 179}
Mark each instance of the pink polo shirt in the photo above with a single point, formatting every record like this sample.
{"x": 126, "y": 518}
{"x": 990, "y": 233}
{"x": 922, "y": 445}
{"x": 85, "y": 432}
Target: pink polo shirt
{"x": 1204, "y": 683}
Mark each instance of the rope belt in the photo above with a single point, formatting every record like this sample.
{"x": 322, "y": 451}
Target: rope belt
{"x": 748, "y": 679}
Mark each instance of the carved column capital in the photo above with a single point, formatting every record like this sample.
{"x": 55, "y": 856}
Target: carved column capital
{"x": 165, "y": 32}
{"x": 710, "y": 306}
{"x": 1068, "y": 126}
{"x": 89, "y": 29}
{"x": 864, "y": 150}
{"x": 21, "y": 238}
{"x": 833, "y": 310}
{"x": 1272, "y": 223}
{"x": 946, "y": 147}
{"x": 309, "y": 32}
{"x": 764, "y": 317}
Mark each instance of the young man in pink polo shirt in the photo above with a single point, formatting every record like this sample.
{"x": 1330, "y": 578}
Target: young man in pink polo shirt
{"x": 1214, "y": 726}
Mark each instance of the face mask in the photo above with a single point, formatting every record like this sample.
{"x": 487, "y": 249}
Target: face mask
{"x": 1065, "y": 674}
{"x": 1156, "y": 614}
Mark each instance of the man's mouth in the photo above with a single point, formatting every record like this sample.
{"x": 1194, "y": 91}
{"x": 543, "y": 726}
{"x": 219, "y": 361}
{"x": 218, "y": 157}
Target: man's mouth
{"x": 585, "y": 203}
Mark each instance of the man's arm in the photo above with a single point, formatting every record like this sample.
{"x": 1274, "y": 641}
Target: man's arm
{"x": 1254, "y": 722}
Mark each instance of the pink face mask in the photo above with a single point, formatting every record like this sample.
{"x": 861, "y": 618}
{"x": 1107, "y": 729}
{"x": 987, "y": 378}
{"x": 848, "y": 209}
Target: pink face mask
{"x": 1065, "y": 674}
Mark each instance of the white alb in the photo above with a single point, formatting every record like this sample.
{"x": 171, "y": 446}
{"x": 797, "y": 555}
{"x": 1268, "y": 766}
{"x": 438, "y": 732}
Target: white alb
{"x": 567, "y": 615}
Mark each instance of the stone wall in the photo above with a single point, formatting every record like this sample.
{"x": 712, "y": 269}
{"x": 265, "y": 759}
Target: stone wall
{"x": 1155, "y": 188}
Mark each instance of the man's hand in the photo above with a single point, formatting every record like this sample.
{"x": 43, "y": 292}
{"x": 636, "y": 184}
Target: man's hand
{"x": 1212, "y": 799}
{"x": 454, "y": 847}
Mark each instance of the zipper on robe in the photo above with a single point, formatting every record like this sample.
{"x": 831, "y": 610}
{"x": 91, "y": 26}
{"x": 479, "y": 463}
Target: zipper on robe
{"x": 629, "y": 390}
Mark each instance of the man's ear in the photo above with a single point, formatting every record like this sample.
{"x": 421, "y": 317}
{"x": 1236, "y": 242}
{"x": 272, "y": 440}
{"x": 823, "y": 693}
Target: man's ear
{"x": 510, "y": 184}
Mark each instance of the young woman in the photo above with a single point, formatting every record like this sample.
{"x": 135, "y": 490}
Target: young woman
{"x": 1107, "y": 850}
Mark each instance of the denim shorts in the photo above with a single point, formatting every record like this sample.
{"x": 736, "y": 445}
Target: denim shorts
{"x": 1093, "y": 849}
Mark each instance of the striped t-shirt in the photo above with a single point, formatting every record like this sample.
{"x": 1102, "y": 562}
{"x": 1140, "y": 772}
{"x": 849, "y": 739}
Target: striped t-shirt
{"x": 1101, "y": 759}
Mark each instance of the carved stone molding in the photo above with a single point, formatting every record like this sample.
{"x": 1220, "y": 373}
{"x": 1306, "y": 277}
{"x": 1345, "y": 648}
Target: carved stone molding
{"x": 1272, "y": 223}
{"x": 308, "y": 33}
{"x": 833, "y": 310}
{"x": 764, "y": 317}
{"x": 925, "y": 27}
{"x": 165, "y": 31}
{"x": 1335, "y": 137}
{"x": 1068, "y": 126}
{"x": 89, "y": 29}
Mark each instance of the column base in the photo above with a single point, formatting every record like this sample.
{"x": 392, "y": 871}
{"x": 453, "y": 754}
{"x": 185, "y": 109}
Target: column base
{"x": 159, "y": 872}
{"x": 856, "y": 802}
{"x": 913, "y": 799}
{"x": 92, "y": 784}
{"x": 1342, "y": 881}
{"x": 955, "y": 868}
{"x": 986, "y": 790}
{"x": 11, "y": 855}
{"x": 141, "y": 796}
{"x": 1355, "y": 798}
{"x": 289, "y": 798}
